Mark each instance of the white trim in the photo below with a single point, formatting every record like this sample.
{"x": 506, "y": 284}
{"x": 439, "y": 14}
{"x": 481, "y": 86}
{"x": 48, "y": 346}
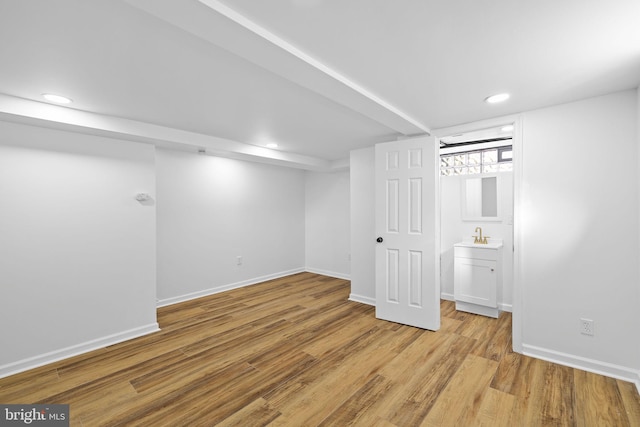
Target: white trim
{"x": 583, "y": 363}
{"x": 328, "y": 273}
{"x": 362, "y": 299}
{"x": 218, "y": 289}
{"x": 476, "y": 126}
{"x": 447, "y": 296}
{"x": 518, "y": 247}
{"x": 74, "y": 350}
{"x": 505, "y": 307}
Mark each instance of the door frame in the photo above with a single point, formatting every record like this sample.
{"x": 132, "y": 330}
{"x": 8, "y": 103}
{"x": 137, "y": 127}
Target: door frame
{"x": 518, "y": 291}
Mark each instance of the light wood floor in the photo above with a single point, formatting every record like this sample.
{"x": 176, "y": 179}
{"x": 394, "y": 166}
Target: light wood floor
{"x": 295, "y": 352}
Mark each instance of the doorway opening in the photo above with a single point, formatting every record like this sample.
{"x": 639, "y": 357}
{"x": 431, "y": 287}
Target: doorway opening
{"x": 470, "y": 157}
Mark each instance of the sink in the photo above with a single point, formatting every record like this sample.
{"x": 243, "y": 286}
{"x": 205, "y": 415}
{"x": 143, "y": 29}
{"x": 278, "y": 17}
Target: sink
{"x": 493, "y": 244}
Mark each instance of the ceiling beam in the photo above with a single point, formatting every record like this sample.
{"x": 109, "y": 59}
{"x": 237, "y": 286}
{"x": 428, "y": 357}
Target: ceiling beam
{"x": 19, "y": 110}
{"x": 220, "y": 25}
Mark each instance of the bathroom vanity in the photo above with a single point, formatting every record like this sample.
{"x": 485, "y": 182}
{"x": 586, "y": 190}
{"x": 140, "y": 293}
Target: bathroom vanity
{"x": 477, "y": 282}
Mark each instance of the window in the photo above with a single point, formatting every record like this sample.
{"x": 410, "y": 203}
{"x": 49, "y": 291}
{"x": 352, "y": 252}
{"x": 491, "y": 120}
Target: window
{"x": 489, "y": 160}
{"x": 505, "y": 154}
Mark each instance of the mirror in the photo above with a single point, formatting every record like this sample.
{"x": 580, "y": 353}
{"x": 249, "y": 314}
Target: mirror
{"x": 480, "y": 198}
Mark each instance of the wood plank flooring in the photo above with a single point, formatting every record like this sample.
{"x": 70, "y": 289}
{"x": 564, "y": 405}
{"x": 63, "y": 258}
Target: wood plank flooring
{"x": 295, "y": 352}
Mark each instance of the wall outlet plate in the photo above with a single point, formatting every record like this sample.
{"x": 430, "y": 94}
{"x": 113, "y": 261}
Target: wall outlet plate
{"x": 587, "y": 327}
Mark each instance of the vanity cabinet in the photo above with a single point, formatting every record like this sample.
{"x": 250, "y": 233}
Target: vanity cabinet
{"x": 477, "y": 280}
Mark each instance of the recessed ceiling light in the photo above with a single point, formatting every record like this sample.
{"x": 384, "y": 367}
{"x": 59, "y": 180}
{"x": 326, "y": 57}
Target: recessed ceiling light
{"x": 497, "y": 98}
{"x": 58, "y": 99}
{"x": 272, "y": 145}
{"x": 507, "y": 128}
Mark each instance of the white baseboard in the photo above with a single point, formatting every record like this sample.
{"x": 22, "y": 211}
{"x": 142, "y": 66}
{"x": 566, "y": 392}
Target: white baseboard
{"x": 328, "y": 273}
{"x": 362, "y": 299}
{"x": 446, "y": 296}
{"x": 505, "y": 307}
{"x": 218, "y": 289}
{"x": 74, "y": 350}
{"x": 589, "y": 365}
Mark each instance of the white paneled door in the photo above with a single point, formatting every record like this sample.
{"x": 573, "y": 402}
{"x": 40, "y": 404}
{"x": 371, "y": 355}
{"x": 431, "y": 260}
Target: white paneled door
{"x": 407, "y": 227}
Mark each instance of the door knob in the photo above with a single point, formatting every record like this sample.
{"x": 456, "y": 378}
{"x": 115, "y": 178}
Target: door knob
{"x": 379, "y": 239}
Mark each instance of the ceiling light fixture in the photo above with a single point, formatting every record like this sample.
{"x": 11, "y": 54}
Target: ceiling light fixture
{"x": 493, "y": 99}
{"x": 58, "y": 99}
{"x": 272, "y": 145}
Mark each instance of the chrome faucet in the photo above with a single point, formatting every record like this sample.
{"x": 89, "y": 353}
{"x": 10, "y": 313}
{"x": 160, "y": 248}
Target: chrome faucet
{"x": 479, "y": 239}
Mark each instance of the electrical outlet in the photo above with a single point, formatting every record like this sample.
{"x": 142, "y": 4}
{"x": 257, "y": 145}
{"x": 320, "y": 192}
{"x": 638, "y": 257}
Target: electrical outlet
{"x": 238, "y": 260}
{"x": 586, "y": 327}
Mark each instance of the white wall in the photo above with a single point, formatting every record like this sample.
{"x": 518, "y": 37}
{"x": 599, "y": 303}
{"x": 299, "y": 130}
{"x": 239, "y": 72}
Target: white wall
{"x": 77, "y": 251}
{"x": 363, "y": 231}
{"x": 580, "y": 232}
{"x": 574, "y": 246}
{"x": 454, "y": 230}
{"x": 327, "y": 223}
{"x": 212, "y": 210}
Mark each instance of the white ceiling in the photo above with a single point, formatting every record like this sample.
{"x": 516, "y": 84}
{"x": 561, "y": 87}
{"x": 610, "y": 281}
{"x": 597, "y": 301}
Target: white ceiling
{"x": 319, "y": 77}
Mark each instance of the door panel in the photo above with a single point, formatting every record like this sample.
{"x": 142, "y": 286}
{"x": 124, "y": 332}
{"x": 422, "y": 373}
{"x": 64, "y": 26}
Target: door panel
{"x": 415, "y": 278}
{"x": 415, "y": 205}
{"x": 407, "y": 220}
{"x": 393, "y": 275}
{"x": 393, "y": 205}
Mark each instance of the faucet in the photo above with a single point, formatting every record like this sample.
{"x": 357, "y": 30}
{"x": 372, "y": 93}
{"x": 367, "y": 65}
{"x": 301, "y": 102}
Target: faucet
{"x": 479, "y": 239}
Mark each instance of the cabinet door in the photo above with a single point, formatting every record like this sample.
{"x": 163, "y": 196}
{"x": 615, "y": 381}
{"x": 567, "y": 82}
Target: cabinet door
{"x": 475, "y": 281}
